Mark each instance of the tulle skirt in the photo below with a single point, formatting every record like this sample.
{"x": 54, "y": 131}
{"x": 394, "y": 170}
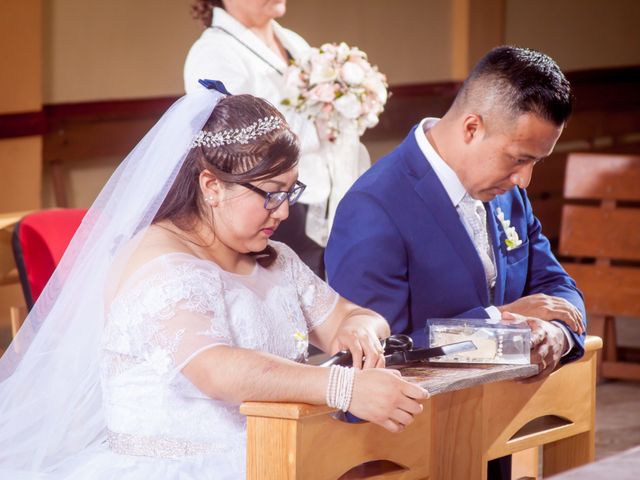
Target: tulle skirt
{"x": 100, "y": 463}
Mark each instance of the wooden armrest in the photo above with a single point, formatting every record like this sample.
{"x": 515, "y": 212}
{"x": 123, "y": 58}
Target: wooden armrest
{"x": 18, "y": 315}
{"x": 592, "y": 343}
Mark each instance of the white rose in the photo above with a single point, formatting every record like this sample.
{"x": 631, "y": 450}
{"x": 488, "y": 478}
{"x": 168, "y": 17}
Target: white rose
{"x": 355, "y": 52}
{"x": 322, "y": 71}
{"x": 323, "y": 92}
{"x": 376, "y": 86}
{"x": 328, "y": 48}
{"x": 342, "y": 52}
{"x": 348, "y": 106}
{"x": 371, "y": 120}
{"x": 352, "y": 73}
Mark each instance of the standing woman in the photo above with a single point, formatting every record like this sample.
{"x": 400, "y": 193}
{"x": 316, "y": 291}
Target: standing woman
{"x": 249, "y": 51}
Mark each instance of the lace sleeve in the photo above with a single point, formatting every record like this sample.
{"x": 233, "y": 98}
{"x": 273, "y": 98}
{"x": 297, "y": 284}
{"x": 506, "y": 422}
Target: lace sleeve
{"x": 170, "y": 312}
{"x": 317, "y": 298}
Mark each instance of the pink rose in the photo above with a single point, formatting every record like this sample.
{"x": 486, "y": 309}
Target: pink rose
{"x": 324, "y": 92}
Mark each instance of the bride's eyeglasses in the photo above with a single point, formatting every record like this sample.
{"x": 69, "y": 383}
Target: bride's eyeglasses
{"x": 272, "y": 200}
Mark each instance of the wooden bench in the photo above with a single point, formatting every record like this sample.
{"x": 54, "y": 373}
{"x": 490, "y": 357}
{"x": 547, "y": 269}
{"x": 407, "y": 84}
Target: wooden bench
{"x": 601, "y": 234}
{"x": 475, "y": 415}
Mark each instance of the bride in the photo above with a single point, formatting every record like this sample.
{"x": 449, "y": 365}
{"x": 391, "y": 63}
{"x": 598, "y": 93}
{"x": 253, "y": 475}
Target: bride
{"x": 172, "y": 306}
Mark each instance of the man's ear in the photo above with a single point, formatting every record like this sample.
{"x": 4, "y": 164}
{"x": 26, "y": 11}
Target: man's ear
{"x": 472, "y": 127}
{"x": 210, "y": 186}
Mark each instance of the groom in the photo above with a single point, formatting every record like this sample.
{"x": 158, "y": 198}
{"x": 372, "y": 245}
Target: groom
{"x": 442, "y": 227}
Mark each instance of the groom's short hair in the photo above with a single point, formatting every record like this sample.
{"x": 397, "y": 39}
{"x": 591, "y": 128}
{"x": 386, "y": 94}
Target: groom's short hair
{"x": 518, "y": 80}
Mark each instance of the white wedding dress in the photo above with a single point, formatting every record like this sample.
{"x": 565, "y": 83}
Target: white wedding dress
{"x": 158, "y": 424}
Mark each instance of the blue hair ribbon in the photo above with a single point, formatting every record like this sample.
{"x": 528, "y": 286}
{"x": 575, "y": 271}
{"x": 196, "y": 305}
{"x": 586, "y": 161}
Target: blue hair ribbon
{"x": 215, "y": 85}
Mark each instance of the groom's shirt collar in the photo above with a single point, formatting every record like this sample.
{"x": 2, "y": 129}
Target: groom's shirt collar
{"x": 444, "y": 172}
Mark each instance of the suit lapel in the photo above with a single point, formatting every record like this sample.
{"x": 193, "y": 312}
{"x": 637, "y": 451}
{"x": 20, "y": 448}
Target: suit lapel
{"x": 497, "y": 234}
{"x": 434, "y": 196}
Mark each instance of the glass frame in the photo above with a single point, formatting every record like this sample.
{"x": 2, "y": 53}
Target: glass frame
{"x": 293, "y": 195}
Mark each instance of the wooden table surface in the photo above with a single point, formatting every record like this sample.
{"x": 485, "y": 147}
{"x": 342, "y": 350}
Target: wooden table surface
{"x": 439, "y": 378}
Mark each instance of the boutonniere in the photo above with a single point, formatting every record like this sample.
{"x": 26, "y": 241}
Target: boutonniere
{"x": 513, "y": 240}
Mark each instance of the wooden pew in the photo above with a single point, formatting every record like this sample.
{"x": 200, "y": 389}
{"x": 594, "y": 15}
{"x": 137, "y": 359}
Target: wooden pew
{"x": 475, "y": 415}
{"x": 601, "y": 237}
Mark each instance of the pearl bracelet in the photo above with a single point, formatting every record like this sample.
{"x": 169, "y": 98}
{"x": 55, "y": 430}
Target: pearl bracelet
{"x": 340, "y": 387}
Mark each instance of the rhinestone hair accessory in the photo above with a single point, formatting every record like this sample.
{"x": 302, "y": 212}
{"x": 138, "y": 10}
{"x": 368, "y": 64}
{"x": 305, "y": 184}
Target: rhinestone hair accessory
{"x": 237, "y": 135}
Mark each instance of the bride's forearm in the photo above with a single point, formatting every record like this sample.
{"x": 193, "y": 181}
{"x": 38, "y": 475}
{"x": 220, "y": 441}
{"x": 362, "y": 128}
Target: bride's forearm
{"x": 237, "y": 375}
{"x": 347, "y": 315}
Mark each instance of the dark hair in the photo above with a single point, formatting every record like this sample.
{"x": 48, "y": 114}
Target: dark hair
{"x": 263, "y": 157}
{"x": 203, "y": 10}
{"x": 525, "y": 81}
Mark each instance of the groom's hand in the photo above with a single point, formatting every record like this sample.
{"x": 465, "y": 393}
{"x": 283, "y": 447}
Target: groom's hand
{"x": 547, "y": 307}
{"x": 548, "y": 342}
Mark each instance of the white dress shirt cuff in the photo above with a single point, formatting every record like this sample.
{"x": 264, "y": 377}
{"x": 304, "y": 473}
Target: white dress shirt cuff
{"x": 565, "y": 330}
{"x": 493, "y": 312}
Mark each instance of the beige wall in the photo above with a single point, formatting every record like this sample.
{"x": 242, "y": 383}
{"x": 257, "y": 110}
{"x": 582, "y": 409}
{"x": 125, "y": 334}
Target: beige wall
{"x": 131, "y": 49}
{"x": 20, "y": 51}
{"x": 115, "y": 49}
{"x": 407, "y": 39}
{"x": 578, "y": 34}
{"x": 20, "y": 91}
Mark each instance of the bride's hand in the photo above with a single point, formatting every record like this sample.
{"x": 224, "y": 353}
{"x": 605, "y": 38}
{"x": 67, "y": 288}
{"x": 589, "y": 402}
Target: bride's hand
{"x": 357, "y": 333}
{"x": 384, "y": 398}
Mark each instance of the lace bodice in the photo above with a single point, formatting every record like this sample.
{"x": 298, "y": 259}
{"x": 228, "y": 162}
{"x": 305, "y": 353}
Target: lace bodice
{"x": 176, "y": 306}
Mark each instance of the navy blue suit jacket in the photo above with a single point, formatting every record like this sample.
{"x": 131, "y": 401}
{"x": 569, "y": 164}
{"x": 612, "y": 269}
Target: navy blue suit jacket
{"x": 398, "y": 246}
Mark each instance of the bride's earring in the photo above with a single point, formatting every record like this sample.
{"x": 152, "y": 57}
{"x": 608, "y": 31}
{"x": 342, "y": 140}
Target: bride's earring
{"x": 209, "y": 200}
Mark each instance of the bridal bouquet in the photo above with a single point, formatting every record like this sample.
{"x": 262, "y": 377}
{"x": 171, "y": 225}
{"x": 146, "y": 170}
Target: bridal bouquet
{"x": 337, "y": 87}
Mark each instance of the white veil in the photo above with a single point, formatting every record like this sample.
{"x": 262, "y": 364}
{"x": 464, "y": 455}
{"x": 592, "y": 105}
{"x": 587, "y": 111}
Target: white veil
{"x": 50, "y": 394}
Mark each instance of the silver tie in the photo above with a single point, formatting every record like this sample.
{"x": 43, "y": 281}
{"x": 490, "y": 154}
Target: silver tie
{"x": 474, "y": 218}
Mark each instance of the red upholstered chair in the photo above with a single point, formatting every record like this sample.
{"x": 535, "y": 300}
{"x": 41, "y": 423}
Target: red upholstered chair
{"x": 39, "y": 241}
